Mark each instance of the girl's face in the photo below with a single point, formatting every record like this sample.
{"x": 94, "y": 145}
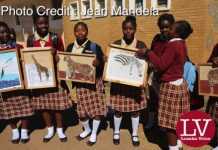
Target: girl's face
{"x": 42, "y": 25}
{"x": 80, "y": 33}
{"x": 4, "y": 35}
{"x": 165, "y": 27}
{"x": 173, "y": 32}
{"x": 128, "y": 31}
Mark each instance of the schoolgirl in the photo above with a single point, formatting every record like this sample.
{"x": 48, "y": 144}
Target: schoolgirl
{"x": 124, "y": 98}
{"x": 50, "y": 101}
{"x": 91, "y": 103}
{"x": 174, "y": 95}
{"x": 14, "y": 105}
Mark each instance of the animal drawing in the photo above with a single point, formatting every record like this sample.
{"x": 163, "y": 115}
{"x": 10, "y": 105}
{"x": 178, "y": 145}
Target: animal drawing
{"x": 40, "y": 69}
{"x": 131, "y": 61}
{"x": 73, "y": 68}
{"x": 213, "y": 78}
{"x": 4, "y": 66}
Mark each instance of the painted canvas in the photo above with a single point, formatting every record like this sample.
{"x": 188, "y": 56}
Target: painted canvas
{"x": 208, "y": 80}
{"x": 38, "y": 68}
{"x": 76, "y": 67}
{"x": 123, "y": 67}
{"x": 10, "y": 75}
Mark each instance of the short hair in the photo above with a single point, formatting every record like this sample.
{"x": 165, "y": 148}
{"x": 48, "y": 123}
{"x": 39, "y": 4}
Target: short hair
{"x": 183, "y": 29}
{"x": 37, "y": 15}
{"x": 166, "y": 16}
{"x": 131, "y": 19}
{"x": 82, "y": 24}
{"x": 3, "y": 24}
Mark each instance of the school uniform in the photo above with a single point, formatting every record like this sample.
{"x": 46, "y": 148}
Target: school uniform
{"x": 212, "y": 106}
{"x": 50, "y": 98}
{"x": 174, "y": 95}
{"x": 125, "y": 98}
{"x": 91, "y": 99}
{"x": 14, "y": 104}
{"x": 158, "y": 45}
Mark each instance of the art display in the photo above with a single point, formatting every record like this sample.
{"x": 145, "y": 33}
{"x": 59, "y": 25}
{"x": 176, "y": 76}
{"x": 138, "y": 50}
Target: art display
{"x": 76, "y": 67}
{"x": 124, "y": 67}
{"x": 38, "y": 68}
{"x": 208, "y": 80}
{"x": 10, "y": 74}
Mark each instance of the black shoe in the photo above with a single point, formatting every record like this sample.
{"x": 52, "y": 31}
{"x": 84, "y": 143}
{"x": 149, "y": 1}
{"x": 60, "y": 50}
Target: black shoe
{"x": 24, "y": 141}
{"x": 79, "y": 138}
{"x": 116, "y": 141}
{"x": 89, "y": 143}
{"x": 15, "y": 141}
{"x": 135, "y": 143}
{"x": 63, "y": 139}
{"x": 46, "y": 140}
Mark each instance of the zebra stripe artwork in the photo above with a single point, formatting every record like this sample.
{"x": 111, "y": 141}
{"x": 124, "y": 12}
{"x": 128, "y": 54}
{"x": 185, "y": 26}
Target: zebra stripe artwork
{"x": 129, "y": 60}
{"x": 125, "y": 68}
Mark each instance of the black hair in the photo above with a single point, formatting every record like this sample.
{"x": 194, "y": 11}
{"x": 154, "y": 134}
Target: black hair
{"x": 169, "y": 17}
{"x": 131, "y": 19}
{"x": 3, "y": 24}
{"x": 183, "y": 29}
{"x": 82, "y": 24}
{"x": 37, "y": 15}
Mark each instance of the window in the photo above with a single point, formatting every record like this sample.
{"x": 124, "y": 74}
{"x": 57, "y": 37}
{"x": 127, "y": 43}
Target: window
{"x": 57, "y": 4}
{"x": 117, "y": 6}
{"x": 74, "y": 11}
{"x": 100, "y": 8}
{"x": 86, "y": 8}
{"x": 161, "y": 4}
{"x": 137, "y": 4}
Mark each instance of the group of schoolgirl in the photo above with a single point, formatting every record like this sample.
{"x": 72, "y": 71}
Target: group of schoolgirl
{"x": 168, "y": 88}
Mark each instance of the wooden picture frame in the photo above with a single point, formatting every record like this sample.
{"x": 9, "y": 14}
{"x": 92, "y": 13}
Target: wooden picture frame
{"x": 208, "y": 80}
{"x": 10, "y": 71}
{"x": 76, "y": 67}
{"x": 38, "y": 68}
{"x": 123, "y": 67}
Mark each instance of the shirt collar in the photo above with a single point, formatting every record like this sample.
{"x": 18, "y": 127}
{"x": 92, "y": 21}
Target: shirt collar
{"x": 176, "y": 39}
{"x": 38, "y": 37}
{"x": 76, "y": 45}
{"x": 131, "y": 45}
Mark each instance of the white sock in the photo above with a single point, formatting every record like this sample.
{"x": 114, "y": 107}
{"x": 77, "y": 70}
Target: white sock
{"x": 135, "y": 126}
{"x": 179, "y": 143}
{"x": 216, "y": 148}
{"x": 50, "y": 132}
{"x": 117, "y": 122}
{"x": 24, "y": 134}
{"x": 87, "y": 129}
{"x": 15, "y": 134}
{"x": 95, "y": 126}
{"x": 173, "y": 147}
{"x": 61, "y": 134}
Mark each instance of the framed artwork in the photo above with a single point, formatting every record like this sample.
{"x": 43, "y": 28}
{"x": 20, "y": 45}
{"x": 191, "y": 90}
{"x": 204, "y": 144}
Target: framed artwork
{"x": 38, "y": 68}
{"x": 124, "y": 67}
{"x": 10, "y": 73}
{"x": 76, "y": 67}
{"x": 208, "y": 80}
